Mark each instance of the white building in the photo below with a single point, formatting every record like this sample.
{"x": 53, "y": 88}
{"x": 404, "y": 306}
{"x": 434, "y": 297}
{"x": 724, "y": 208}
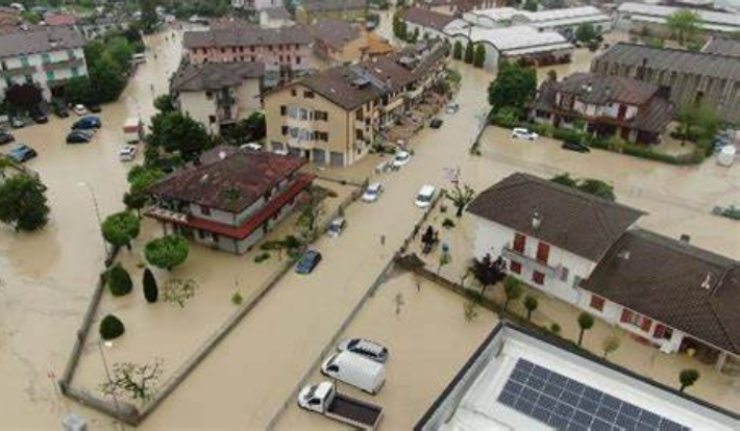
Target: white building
{"x": 521, "y": 380}
{"x": 550, "y": 235}
{"x": 564, "y": 20}
{"x": 256, "y": 5}
{"x": 218, "y": 94}
{"x": 46, "y": 56}
{"x": 635, "y": 16}
{"x": 275, "y": 17}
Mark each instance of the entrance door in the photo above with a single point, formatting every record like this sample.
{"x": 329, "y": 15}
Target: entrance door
{"x": 319, "y": 156}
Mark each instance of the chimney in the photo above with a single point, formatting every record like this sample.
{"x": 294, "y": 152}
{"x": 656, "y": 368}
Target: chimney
{"x": 624, "y": 254}
{"x": 536, "y": 220}
{"x": 685, "y": 238}
{"x": 707, "y": 283}
{"x": 222, "y": 154}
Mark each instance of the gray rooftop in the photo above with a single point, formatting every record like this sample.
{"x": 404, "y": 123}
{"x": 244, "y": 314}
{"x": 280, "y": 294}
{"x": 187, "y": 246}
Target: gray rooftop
{"x": 722, "y": 46}
{"x": 38, "y": 40}
{"x": 332, "y": 5}
{"x": 214, "y": 76}
{"x": 246, "y": 35}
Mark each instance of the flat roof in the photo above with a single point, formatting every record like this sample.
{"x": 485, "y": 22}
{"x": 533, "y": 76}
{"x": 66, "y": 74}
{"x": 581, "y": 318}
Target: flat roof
{"x": 551, "y": 17}
{"x": 658, "y": 13}
{"x": 512, "y": 38}
{"x": 480, "y": 396}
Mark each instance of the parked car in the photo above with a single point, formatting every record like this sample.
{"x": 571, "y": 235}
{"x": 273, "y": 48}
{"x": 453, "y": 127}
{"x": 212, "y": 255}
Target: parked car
{"x": 401, "y": 159}
{"x": 6, "y": 137}
{"x": 16, "y": 123}
{"x": 372, "y": 192}
{"x": 336, "y": 227}
{"x": 127, "y": 153}
{"x": 39, "y": 117}
{"x": 367, "y": 348}
{"x": 80, "y": 110}
{"x": 575, "y": 146}
{"x": 355, "y": 370}
{"x": 425, "y": 196}
{"x": 436, "y": 123}
{"x": 59, "y": 109}
{"x": 522, "y": 133}
{"x": 726, "y": 156}
{"x": 95, "y": 109}
{"x": 308, "y": 262}
{"x": 452, "y": 108}
{"x": 89, "y": 122}
{"x": 22, "y": 153}
{"x": 324, "y": 399}
{"x": 251, "y": 146}
{"x": 78, "y": 137}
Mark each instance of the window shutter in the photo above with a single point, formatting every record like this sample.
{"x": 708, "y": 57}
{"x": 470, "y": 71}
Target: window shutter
{"x": 626, "y": 316}
{"x": 519, "y": 242}
{"x": 646, "y": 323}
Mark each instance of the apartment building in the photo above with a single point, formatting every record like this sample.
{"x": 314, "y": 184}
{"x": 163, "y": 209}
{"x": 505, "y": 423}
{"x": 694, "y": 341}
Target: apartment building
{"x": 635, "y": 111}
{"x": 333, "y": 117}
{"x": 311, "y": 11}
{"x": 46, "y": 56}
{"x": 230, "y": 200}
{"x": 285, "y": 52}
{"x": 342, "y": 42}
{"x": 218, "y": 94}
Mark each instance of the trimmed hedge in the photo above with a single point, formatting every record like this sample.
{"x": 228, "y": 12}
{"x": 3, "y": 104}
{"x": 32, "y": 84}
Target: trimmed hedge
{"x": 111, "y": 327}
{"x": 119, "y": 281}
{"x": 151, "y": 292}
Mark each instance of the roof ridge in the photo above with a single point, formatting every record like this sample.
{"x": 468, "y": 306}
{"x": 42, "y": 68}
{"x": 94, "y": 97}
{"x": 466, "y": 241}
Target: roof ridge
{"x": 683, "y": 51}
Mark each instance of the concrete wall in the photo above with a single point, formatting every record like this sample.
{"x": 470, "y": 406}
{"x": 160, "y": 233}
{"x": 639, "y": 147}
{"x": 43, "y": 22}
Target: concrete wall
{"x": 12, "y": 70}
{"x": 201, "y": 109}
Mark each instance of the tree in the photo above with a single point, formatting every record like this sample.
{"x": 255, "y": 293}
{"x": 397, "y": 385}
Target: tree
{"x": 597, "y": 188}
{"x": 610, "y": 344}
{"x": 552, "y": 75}
{"x": 461, "y": 197}
{"x": 23, "y": 203}
{"x": 684, "y": 24}
{"x": 531, "y": 5}
{"x": 151, "y": 293}
{"x": 697, "y": 122}
{"x": 564, "y": 179}
{"x": 487, "y": 271}
{"x": 585, "y": 322}
{"x": 687, "y": 378}
{"x": 166, "y": 252}
{"x": 121, "y": 228}
{"x": 479, "y": 58}
{"x": 414, "y": 36}
{"x": 106, "y": 78}
{"x": 530, "y": 304}
{"x": 457, "y": 50}
{"x": 78, "y": 90}
{"x": 399, "y": 27}
{"x": 512, "y": 289}
{"x": 118, "y": 280}
{"x": 514, "y": 86}
{"x": 141, "y": 178}
{"x": 469, "y": 53}
{"x": 444, "y": 259}
{"x": 470, "y": 308}
{"x": 164, "y": 103}
{"x": 177, "y": 132}
{"x": 111, "y": 327}
{"x": 23, "y": 97}
{"x": 135, "y": 381}
{"x": 586, "y": 33}
{"x": 135, "y": 201}
{"x": 149, "y": 18}
{"x": 178, "y": 291}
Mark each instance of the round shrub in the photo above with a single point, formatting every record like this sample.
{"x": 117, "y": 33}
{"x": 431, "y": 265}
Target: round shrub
{"x": 111, "y": 327}
{"x": 166, "y": 252}
{"x": 119, "y": 281}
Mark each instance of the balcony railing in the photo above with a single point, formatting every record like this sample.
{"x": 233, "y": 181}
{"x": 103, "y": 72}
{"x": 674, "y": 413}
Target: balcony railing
{"x": 529, "y": 262}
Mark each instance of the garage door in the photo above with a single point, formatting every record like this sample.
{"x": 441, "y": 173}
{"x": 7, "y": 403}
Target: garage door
{"x": 318, "y": 156}
{"x": 336, "y": 159}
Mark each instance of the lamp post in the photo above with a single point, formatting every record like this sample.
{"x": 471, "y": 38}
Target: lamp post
{"x": 97, "y": 212}
{"x": 110, "y": 380}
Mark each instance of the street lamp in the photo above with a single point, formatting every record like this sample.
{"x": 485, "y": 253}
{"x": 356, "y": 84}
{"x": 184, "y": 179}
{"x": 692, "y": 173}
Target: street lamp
{"x": 97, "y": 212}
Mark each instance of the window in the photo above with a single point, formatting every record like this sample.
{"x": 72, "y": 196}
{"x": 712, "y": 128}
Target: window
{"x": 636, "y": 319}
{"x": 564, "y": 272}
{"x": 293, "y": 92}
{"x": 358, "y": 134}
{"x": 212, "y": 119}
{"x": 75, "y": 72}
{"x": 70, "y": 54}
{"x": 298, "y": 60}
{"x": 205, "y": 210}
{"x": 24, "y": 61}
{"x": 29, "y": 79}
{"x": 308, "y": 94}
{"x": 515, "y": 267}
{"x": 519, "y": 242}
{"x": 577, "y": 281}
{"x": 209, "y": 95}
{"x": 358, "y": 114}
{"x": 538, "y": 277}
{"x": 543, "y": 252}
{"x": 45, "y": 58}
{"x": 283, "y": 110}
{"x": 285, "y": 130}
{"x": 49, "y": 75}
{"x": 597, "y": 303}
{"x": 662, "y": 331}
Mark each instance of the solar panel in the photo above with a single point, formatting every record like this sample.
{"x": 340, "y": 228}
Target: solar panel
{"x": 566, "y": 404}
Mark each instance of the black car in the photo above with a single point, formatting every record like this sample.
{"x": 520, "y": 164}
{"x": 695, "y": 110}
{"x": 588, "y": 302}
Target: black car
{"x": 22, "y": 153}
{"x": 435, "y": 123}
{"x": 95, "y": 109}
{"x": 6, "y": 137}
{"x": 308, "y": 262}
{"x": 60, "y": 109}
{"x": 78, "y": 137}
{"x": 575, "y": 146}
{"x": 39, "y": 117}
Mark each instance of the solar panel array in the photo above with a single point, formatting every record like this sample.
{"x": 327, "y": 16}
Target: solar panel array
{"x": 566, "y": 404}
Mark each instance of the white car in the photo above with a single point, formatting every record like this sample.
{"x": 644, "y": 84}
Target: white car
{"x": 80, "y": 110}
{"x": 425, "y": 196}
{"x": 127, "y": 153}
{"x": 522, "y": 133}
{"x": 452, "y": 108}
{"x": 372, "y": 192}
{"x": 401, "y": 159}
{"x": 252, "y": 146}
{"x": 336, "y": 227}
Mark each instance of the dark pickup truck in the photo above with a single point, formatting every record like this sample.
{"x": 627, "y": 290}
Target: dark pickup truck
{"x": 324, "y": 399}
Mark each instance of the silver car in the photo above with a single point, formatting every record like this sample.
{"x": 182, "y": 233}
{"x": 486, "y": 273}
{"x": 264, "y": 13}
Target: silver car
{"x": 367, "y": 348}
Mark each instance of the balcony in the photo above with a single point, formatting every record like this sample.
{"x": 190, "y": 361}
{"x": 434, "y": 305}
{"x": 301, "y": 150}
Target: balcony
{"x": 393, "y": 105}
{"x": 18, "y": 71}
{"x": 65, "y": 64}
{"x": 168, "y": 215}
{"x": 529, "y": 262}
{"x": 225, "y": 100}
{"x": 412, "y": 94}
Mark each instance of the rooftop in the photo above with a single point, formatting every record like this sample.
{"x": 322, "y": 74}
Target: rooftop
{"x": 335, "y": 33}
{"x": 518, "y": 379}
{"x": 53, "y": 19}
{"x": 722, "y": 46}
{"x": 543, "y": 18}
{"x": 427, "y": 18}
{"x": 332, "y": 5}
{"x": 683, "y": 286}
{"x": 231, "y": 184}
{"x": 509, "y": 39}
{"x": 578, "y": 222}
{"x": 709, "y": 19}
{"x": 39, "y": 40}
{"x": 246, "y": 35}
{"x": 669, "y": 59}
{"x": 277, "y": 13}
{"x": 215, "y": 76}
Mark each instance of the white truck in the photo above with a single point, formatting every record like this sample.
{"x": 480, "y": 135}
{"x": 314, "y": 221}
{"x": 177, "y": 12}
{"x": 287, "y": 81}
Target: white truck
{"x": 324, "y": 399}
{"x": 133, "y": 130}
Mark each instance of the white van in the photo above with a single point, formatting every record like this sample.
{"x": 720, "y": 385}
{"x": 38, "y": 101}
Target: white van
{"x": 425, "y": 196}
{"x": 355, "y": 370}
{"x": 133, "y": 130}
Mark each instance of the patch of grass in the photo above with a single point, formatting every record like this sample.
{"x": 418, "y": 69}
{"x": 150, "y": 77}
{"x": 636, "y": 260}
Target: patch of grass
{"x": 261, "y": 257}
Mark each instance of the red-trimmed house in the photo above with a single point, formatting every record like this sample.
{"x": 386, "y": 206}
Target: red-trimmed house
{"x": 231, "y": 202}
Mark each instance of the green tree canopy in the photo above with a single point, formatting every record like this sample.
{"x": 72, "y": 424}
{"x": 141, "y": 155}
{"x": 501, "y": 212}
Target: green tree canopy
{"x": 141, "y": 177}
{"x": 597, "y": 188}
{"x": 176, "y": 132}
{"x": 23, "y": 97}
{"x": 457, "y": 50}
{"x": 121, "y": 228}
{"x": 164, "y": 103}
{"x": 531, "y": 5}
{"x": 514, "y": 86}
{"x": 480, "y": 55}
{"x": 469, "y": 53}
{"x": 512, "y": 290}
{"x": 167, "y": 252}
{"x": 684, "y": 24}
{"x": 23, "y": 203}
{"x": 585, "y": 322}
{"x": 586, "y": 33}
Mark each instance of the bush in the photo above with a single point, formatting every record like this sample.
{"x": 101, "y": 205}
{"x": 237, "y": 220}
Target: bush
{"x": 119, "y": 281}
{"x": 448, "y": 223}
{"x": 555, "y": 328}
{"x": 111, "y": 327}
{"x": 150, "y": 286}
{"x": 167, "y": 252}
{"x": 261, "y": 257}
{"x": 237, "y": 298}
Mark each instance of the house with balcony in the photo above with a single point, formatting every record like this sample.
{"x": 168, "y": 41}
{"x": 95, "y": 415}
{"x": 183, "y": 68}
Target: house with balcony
{"x": 636, "y": 111}
{"x": 551, "y": 236}
{"x": 45, "y": 56}
{"x": 231, "y": 199}
{"x": 285, "y": 51}
{"x": 670, "y": 293}
{"x": 218, "y": 95}
{"x": 333, "y": 117}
